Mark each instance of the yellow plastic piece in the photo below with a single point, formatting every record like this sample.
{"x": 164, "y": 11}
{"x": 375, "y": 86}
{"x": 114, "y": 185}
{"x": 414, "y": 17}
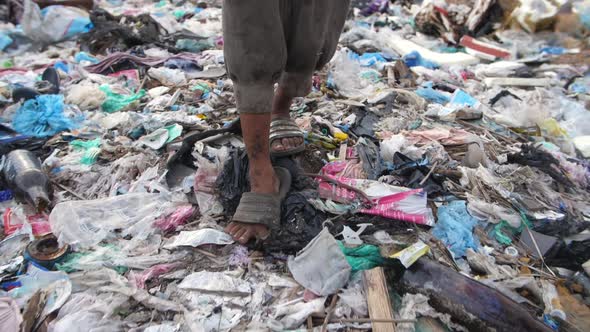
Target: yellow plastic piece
{"x": 411, "y": 254}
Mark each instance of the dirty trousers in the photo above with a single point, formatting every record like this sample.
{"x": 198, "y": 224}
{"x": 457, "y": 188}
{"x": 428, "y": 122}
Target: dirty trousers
{"x": 284, "y": 41}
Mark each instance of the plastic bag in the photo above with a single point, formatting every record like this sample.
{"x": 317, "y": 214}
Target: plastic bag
{"x": 194, "y": 45}
{"x": 491, "y": 212}
{"x": 111, "y": 256}
{"x": 414, "y": 59}
{"x": 36, "y": 278}
{"x": 5, "y": 41}
{"x": 389, "y": 201}
{"x": 218, "y": 282}
{"x": 352, "y": 80}
{"x": 53, "y": 23}
{"x": 177, "y": 218}
{"x": 427, "y": 92}
{"x": 161, "y": 136}
{"x": 295, "y": 314}
{"x": 97, "y": 257}
{"x": 90, "y": 150}
{"x": 10, "y": 316}
{"x": 140, "y": 279}
{"x": 89, "y": 312}
{"x": 43, "y": 116}
{"x": 14, "y": 219}
{"x": 200, "y": 237}
{"x": 364, "y": 257}
{"x": 391, "y": 145}
{"x": 83, "y": 56}
{"x": 205, "y": 179}
{"x": 168, "y": 77}
{"x": 86, "y": 223}
{"x": 321, "y": 266}
{"x": 455, "y": 228}
{"x": 85, "y": 96}
{"x": 115, "y": 102}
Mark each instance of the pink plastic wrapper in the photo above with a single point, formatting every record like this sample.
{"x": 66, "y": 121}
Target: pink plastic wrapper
{"x": 388, "y": 201}
{"x": 39, "y": 223}
{"x": 177, "y": 218}
{"x": 140, "y": 279}
{"x": 348, "y": 169}
{"x": 389, "y": 207}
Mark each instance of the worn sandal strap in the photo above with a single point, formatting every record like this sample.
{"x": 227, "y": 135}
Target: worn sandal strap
{"x": 284, "y": 134}
{"x": 255, "y": 208}
{"x": 283, "y": 122}
{"x": 284, "y": 128}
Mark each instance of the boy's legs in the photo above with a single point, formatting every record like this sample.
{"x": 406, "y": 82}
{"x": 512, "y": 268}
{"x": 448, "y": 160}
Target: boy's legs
{"x": 255, "y": 55}
{"x": 266, "y": 41}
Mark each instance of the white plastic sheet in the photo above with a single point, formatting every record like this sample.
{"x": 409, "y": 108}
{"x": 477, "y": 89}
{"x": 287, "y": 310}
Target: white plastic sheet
{"x": 87, "y": 223}
{"x": 200, "y": 237}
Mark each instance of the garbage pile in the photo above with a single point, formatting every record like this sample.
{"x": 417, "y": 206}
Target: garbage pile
{"x": 444, "y": 185}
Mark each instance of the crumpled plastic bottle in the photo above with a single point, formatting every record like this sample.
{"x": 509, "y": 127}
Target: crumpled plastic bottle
{"x": 22, "y": 170}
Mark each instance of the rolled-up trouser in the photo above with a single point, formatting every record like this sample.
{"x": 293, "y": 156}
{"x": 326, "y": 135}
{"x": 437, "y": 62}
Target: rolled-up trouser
{"x": 269, "y": 41}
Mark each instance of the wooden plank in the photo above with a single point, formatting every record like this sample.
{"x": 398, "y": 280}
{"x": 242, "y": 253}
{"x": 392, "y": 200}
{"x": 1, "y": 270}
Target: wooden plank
{"x": 378, "y": 299}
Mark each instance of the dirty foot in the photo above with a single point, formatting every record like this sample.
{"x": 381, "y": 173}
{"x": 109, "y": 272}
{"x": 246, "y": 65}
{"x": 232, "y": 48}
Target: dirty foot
{"x": 286, "y": 143}
{"x": 263, "y": 184}
{"x": 243, "y": 233}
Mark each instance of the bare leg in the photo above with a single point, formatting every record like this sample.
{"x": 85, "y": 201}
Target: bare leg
{"x": 255, "y": 130}
{"x": 280, "y": 109}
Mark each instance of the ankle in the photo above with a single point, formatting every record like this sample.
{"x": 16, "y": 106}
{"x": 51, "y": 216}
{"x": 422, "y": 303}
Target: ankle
{"x": 281, "y": 105}
{"x": 263, "y": 179}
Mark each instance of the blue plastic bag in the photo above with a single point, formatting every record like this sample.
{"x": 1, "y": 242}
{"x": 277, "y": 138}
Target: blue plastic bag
{"x": 83, "y": 56}
{"x": 461, "y": 98}
{"x": 5, "y": 41}
{"x": 553, "y": 50}
{"x": 75, "y": 25}
{"x": 42, "y": 117}
{"x": 428, "y": 93}
{"x": 455, "y": 228}
{"x": 63, "y": 66}
{"x": 53, "y": 23}
{"x": 414, "y": 59}
{"x": 367, "y": 59}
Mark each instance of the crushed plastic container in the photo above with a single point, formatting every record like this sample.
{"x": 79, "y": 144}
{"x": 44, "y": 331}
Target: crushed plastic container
{"x": 22, "y": 170}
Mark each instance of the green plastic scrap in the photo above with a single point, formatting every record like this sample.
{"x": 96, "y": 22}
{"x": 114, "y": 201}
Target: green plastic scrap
{"x": 371, "y": 75}
{"x": 71, "y": 263}
{"x": 192, "y": 45}
{"x": 174, "y": 131}
{"x": 179, "y": 13}
{"x": 363, "y": 257}
{"x": 201, "y": 87}
{"x": 116, "y": 102}
{"x": 91, "y": 150}
{"x": 501, "y": 230}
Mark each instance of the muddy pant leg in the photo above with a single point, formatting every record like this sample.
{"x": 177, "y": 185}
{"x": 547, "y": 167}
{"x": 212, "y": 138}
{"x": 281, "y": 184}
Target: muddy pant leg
{"x": 312, "y": 29}
{"x": 254, "y": 50}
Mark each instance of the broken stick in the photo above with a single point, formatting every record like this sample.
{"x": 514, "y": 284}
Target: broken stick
{"x": 380, "y": 307}
{"x": 341, "y": 184}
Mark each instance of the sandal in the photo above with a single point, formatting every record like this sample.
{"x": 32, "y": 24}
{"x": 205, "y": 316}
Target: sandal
{"x": 285, "y": 128}
{"x": 265, "y": 209}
